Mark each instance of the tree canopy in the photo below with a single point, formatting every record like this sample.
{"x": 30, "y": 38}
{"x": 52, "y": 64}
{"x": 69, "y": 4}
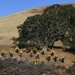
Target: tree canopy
{"x": 56, "y": 23}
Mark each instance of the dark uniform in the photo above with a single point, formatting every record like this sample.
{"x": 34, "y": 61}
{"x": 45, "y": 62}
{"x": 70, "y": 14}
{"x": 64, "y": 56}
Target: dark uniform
{"x": 17, "y": 50}
{"x": 3, "y": 53}
{"x": 62, "y": 59}
{"x": 52, "y": 53}
{"x": 34, "y": 50}
{"x": 31, "y": 54}
{"x": 20, "y": 51}
{"x": 42, "y": 52}
{"x": 37, "y": 55}
{"x": 35, "y": 61}
{"x": 48, "y": 58}
{"x": 55, "y": 59}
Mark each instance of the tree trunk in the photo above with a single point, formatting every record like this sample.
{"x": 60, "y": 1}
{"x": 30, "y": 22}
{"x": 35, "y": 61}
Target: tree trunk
{"x": 53, "y": 42}
{"x": 45, "y": 48}
{"x": 52, "y": 45}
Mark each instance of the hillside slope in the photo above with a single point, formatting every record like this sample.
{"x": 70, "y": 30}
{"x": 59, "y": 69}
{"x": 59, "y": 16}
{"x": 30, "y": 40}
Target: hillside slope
{"x": 9, "y": 23}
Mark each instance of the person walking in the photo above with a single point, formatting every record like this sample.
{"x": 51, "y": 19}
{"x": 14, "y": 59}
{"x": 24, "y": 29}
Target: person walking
{"x": 17, "y": 49}
{"x": 42, "y": 52}
{"x": 3, "y": 53}
{"x": 37, "y": 55}
{"x": 62, "y": 58}
{"x": 35, "y": 61}
{"x": 48, "y": 58}
{"x": 52, "y": 53}
{"x": 21, "y": 52}
{"x": 31, "y": 53}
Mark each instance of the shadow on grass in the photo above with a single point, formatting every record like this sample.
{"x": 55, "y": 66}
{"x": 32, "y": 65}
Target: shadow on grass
{"x": 57, "y": 47}
{"x": 71, "y": 50}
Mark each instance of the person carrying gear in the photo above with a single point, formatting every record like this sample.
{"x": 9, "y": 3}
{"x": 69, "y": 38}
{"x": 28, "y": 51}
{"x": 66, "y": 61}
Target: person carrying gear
{"x": 31, "y": 54}
{"x": 42, "y": 52}
{"x": 20, "y": 51}
{"x": 35, "y": 61}
{"x": 48, "y": 58}
{"x": 3, "y": 53}
{"x": 11, "y": 53}
{"x": 34, "y": 50}
{"x": 55, "y": 59}
{"x": 62, "y": 59}
{"x": 52, "y": 53}
{"x": 37, "y": 55}
{"x": 17, "y": 49}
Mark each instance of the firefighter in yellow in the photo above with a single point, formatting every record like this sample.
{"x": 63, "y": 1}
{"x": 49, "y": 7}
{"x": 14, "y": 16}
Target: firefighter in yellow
{"x": 34, "y": 50}
{"x": 37, "y": 55}
{"x": 11, "y": 53}
{"x": 62, "y": 58}
{"x": 3, "y": 53}
{"x": 31, "y": 53}
{"x": 21, "y": 52}
{"x": 42, "y": 52}
{"x": 52, "y": 53}
{"x": 35, "y": 61}
{"x": 17, "y": 49}
{"x": 48, "y": 58}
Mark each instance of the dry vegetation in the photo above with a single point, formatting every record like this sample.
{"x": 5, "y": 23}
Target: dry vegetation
{"x": 8, "y": 30}
{"x": 22, "y": 66}
{"x": 9, "y": 23}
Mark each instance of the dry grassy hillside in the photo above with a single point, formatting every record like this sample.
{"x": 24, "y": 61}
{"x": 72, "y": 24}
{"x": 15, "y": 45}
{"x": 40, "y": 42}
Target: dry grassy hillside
{"x": 9, "y": 23}
{"x": 17, "y": 65}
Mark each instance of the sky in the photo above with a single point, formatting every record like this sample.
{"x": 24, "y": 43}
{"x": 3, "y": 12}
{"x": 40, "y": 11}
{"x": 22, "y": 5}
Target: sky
{"x": 8, "y": 7}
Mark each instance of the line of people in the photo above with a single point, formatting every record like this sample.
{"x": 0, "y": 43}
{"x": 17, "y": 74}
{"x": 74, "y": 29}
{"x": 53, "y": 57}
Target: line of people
{"x": 11, "y": 52}
{"x": 32, "y": 52}
{"x": 48, "y": 58}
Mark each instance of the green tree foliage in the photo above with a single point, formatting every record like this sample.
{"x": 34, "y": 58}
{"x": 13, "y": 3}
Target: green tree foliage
{"x": 66, "y": 14}
{"x": 56, "y": 23}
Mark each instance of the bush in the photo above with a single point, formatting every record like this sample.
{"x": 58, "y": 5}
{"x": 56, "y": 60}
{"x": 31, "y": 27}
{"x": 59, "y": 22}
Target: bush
{"x": 71, "y": 70}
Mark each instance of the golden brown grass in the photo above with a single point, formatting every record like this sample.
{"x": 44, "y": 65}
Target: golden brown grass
{"x": 8, "y": 25}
